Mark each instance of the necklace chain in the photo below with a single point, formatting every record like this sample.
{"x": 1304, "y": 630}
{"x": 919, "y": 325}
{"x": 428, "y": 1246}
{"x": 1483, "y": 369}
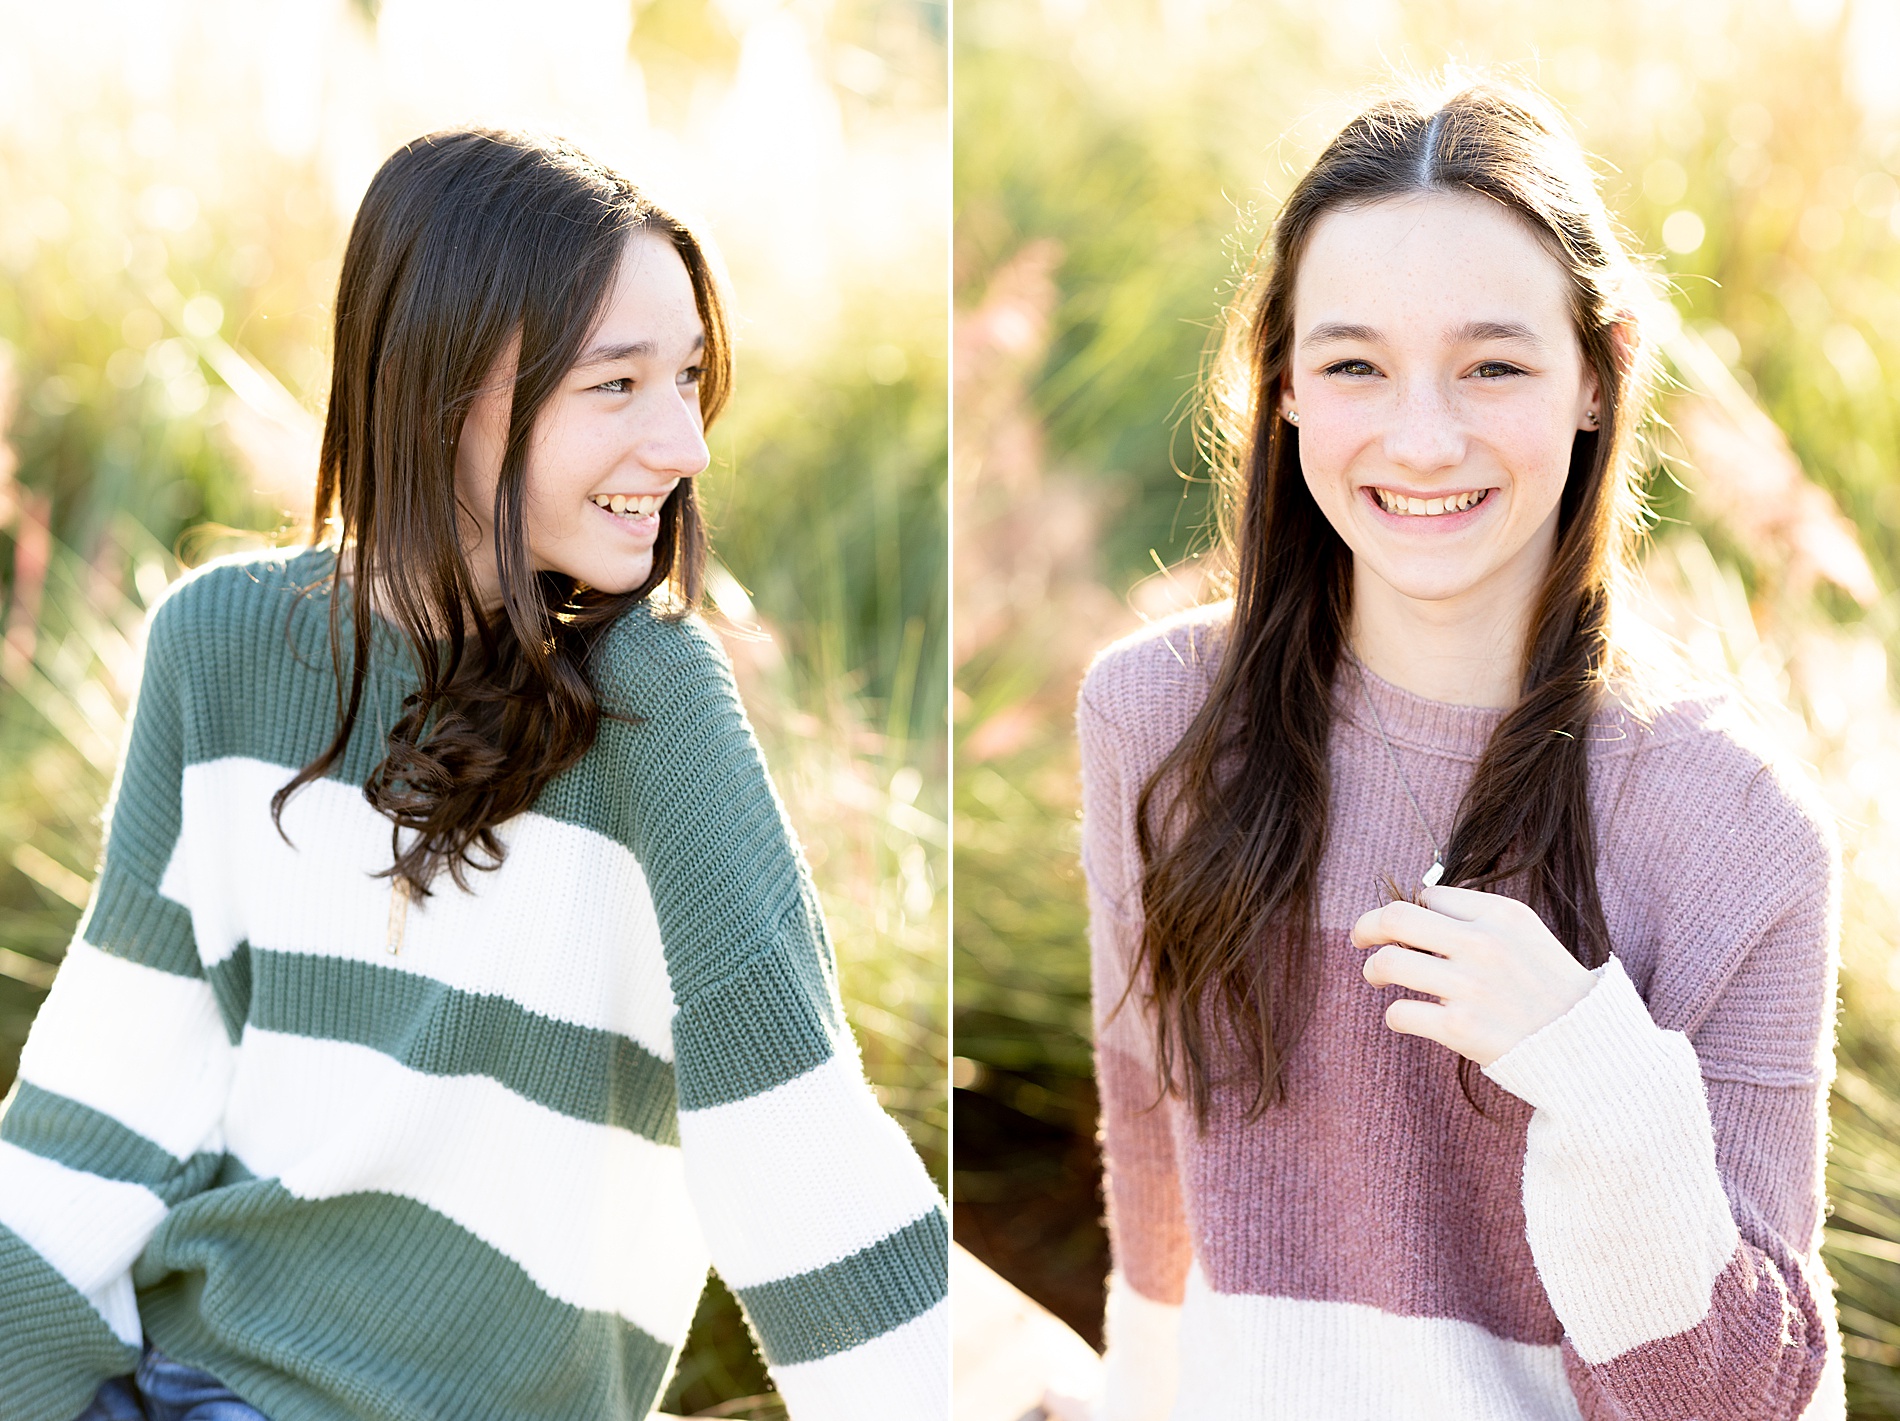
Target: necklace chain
{"x": 1437, "y": 870}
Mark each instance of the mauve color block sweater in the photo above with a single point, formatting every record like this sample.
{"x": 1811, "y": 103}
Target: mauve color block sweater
{"x": 1632, "y": 1227}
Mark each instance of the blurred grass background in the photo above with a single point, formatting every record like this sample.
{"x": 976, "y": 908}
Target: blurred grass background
{"x": 1116, "y": 164}
{"x": 176, "y": 180}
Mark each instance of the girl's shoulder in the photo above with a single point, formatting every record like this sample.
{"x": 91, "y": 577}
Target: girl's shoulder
{"x": 1162, "y": 669}
{"x": 1703, "y": 770}
{"x": 1715, "y": 839}
{"x": 650, "y": 658}
{"x": 1140, "y": 693}
{"x": 226, "y": 598}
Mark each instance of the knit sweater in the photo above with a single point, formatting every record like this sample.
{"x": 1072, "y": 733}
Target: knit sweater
{"x": 1629, "y": 1229}
{"x": 480, "y": 1174}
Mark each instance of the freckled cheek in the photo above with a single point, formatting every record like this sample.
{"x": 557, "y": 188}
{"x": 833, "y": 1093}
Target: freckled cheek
{"x": 555, "y": 511}
{"x": 1335, "y": 427}
{"x": 1534, "y": 447}
{"x": 1328, "y": 456}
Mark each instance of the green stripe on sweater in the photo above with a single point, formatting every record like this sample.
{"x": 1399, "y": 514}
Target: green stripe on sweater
{"x": 79, "y": 1137}
{"x": 374, "y": 1306}
{"x": 128, "y": 915}
{"x": 581, "y": 1071}
{"x": 770, "y": 1021}
{"x": 230, "y": 979}
{"x": 130, "y": 919}
{"x": 58, "y": 1347}
{"x": 847, "y": 1303}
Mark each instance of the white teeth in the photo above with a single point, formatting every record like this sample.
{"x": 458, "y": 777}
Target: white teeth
{"x": 1428, "y": 507}
{"x": 630, "y": 505}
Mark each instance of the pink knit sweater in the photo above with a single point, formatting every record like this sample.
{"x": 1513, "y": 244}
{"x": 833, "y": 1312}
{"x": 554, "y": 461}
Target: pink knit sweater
{"x": 1630, "y": 1231}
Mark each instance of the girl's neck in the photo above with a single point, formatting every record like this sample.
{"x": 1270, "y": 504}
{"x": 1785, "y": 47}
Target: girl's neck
{"x": 1463, "y": 651}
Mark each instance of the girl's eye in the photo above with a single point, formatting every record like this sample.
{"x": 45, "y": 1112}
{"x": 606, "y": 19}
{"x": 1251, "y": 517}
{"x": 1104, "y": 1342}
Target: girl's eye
{"x": 616, "y": 386}
{"x": 1496, "y": 369}
{"x": 1351, "y": 368}
{"x": 690, "y": 375}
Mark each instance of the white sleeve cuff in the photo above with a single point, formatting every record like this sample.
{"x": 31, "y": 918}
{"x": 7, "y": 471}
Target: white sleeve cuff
{"x": 1623, "y": 1208}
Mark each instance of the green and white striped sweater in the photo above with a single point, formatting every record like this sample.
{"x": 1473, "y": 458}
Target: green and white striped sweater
{"x": 481, "y": 1177}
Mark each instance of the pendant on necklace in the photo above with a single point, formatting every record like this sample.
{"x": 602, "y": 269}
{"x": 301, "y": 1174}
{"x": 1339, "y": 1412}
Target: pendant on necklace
{"x": 1430, "y": 880}
{"x": 398, "y": 914}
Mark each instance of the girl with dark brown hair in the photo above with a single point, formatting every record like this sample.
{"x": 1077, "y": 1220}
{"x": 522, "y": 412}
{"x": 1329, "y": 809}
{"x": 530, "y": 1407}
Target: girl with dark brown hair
{"x": 453, "y": 990}
{"x": 1464, "y": 992}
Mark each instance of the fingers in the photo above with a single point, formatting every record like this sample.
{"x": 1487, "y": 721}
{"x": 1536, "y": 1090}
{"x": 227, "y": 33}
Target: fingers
{"x": 1415, "y": 926}
{"x": 1397, "y": 966}
{"x": 1466, "y": 904}
{"x": 1415, "y": 1018}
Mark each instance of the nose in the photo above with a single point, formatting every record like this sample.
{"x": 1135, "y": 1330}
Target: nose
{"x": 1425, "y": 435}
{"x": 674, "y": 440}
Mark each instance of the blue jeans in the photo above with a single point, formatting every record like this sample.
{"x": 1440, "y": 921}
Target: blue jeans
{"x": 164, "y": 1390}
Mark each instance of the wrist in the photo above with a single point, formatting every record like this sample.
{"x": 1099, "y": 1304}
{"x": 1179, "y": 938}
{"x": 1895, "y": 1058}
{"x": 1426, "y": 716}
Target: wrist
{"x": 1567, "y": 991}
{"x": 1591, "y": 1057}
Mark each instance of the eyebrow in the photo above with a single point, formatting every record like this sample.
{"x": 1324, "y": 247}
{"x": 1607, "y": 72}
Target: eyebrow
{"x": 633, "y": 350}
{"x": 1497, "y": 330}
{"x": 1331, "y": 331}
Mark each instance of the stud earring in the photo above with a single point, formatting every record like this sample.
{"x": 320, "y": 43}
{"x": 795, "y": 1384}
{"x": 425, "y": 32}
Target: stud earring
{"x": 1590, "y": 418}
{"x": 1292, "y": 416}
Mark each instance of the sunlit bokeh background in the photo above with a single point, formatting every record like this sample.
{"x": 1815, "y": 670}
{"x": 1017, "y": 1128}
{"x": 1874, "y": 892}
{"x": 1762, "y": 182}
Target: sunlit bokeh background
{"x": 176, "y": 181}
{"x": 1117, "y": 162}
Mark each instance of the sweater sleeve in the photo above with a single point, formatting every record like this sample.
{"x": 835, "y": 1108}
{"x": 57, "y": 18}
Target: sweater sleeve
{"x": 815, "y": 1208}
{"x": 114, "y": 1118}
{"x": 1673, "y": 1179}
{"x": 1147, "y": 1224}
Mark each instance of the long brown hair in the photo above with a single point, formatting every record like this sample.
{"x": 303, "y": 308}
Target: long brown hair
{"x": 465, "y": 241}
{"x": 1232, "y": 825}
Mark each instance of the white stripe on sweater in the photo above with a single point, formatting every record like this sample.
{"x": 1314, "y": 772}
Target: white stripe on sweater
{"x": 1143, "y": 1355}
{"x": 105, "y": 1012}
{"x": 597, "y": 1217}
{"x": 905, "y": 1372}
{"x": 592, "y": 959}
{"x": 89, "y": 1229}
{"x": 1623, "y": 1208}
{"x": 827, "y": 1140}
{"x": 1290, "y": 1359}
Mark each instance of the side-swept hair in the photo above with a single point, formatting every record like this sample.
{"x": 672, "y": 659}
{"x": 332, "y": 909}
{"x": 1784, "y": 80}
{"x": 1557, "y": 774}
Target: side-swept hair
{"x": 466, "y": 241}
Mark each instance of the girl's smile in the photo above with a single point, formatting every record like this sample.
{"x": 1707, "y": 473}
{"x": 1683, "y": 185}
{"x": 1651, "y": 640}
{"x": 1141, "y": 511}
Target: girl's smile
{"x": 635, "y": 516}
{"x": 1441, "y": 507}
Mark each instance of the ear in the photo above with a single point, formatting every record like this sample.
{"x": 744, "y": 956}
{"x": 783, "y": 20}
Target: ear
{"x": 1287, "y": 405}
{"x": 1625, "y": 344}
{"x": 1589, "y": 402}
{"x": 1626, "y": 341}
